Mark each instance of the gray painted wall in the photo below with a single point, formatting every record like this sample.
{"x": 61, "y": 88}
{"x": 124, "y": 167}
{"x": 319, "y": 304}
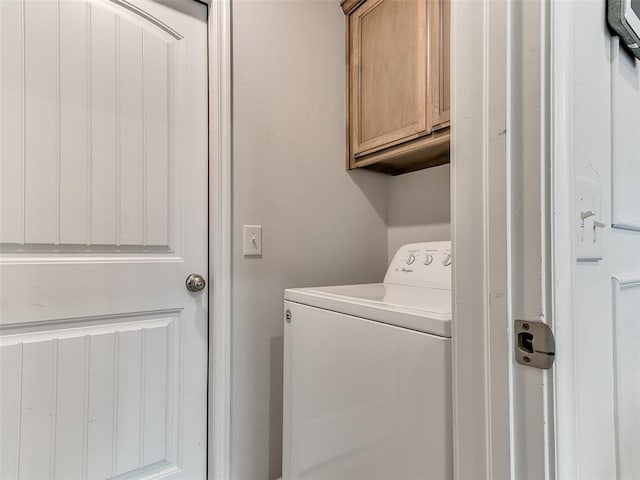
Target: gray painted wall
{"x": 419, "y": 207}
{"x": 321, "y": 225}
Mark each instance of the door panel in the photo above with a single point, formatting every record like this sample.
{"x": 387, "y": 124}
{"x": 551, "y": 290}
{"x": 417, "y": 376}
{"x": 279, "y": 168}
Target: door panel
{"x": 75, "y": 118}
{"x": 113, "y": 401}
{"x": 625, "y": 141}
{"x": 103, "y": 201}
{"x": 111, "y": 102}
{"x": 626, "y": 369}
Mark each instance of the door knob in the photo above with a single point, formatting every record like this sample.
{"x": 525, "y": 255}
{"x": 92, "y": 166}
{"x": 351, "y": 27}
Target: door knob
{"x": 195, "y": 282}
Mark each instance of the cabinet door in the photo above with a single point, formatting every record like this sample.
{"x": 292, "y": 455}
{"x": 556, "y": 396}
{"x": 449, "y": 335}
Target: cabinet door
{"x": 439, "y": 12}
{"x": 388, "y": 73}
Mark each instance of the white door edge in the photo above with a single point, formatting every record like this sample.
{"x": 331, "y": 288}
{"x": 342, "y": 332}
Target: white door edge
{"x": 562, "y": 236}
{"x": 219, "y": 376}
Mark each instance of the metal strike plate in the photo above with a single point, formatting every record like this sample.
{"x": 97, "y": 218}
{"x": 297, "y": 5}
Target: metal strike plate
{"x": 534, "y": 344}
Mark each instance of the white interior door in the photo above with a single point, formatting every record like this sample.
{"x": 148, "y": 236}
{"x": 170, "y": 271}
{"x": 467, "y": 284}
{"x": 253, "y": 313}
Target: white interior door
{"x": 103, "y": 214}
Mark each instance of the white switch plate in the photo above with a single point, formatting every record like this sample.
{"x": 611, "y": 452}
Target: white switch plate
{"x": 588, "y": 235}
{"x": 252, "y": 237}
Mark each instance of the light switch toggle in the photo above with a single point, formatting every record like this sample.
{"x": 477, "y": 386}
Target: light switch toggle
{"x": 252, "y": 241}
{"x": 589, "y": 225}
{"x": 596, "y": 224}
{"x": 591, "y": 213}
{"x": 587, "y": 214}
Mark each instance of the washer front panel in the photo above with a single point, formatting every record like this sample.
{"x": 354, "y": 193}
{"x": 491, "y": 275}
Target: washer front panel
{"x": 364, "y": 400}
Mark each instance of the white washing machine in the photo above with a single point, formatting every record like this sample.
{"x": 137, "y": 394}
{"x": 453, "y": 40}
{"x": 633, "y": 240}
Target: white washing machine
{"x": 367, "y": 374}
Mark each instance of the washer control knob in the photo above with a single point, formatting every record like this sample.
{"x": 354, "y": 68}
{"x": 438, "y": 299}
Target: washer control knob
{"x": 428, "y": 259}
{"x": 447, "y": 260}
{"x": 411, "y": 259}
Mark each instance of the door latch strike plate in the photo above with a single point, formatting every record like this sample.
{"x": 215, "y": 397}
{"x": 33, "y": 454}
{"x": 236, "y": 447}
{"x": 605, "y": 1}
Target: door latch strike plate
{"x": 534, "y": 344}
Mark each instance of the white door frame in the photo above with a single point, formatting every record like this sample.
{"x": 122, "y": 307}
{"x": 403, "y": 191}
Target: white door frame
{"x": 480, "y": 377}
{"x": 503, "y": 412}
{"x": 219, "y": 376}
{"x": 563, "y": 241}
{"x": 491, "y": 147}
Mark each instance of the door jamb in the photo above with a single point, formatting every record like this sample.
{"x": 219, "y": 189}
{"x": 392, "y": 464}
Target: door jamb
{"x": 500, "y": 232}
{"x": 480, "y": 230}
{"x": 220, "y": 236}
{"x": 562, "y": 235}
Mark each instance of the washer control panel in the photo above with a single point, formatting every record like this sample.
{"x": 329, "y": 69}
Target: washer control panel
{"x": 425, "y": 264}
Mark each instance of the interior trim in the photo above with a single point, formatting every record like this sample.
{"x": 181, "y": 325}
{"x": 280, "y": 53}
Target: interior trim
{"x": 219, "y": 376}
{"x": 562, "y": 237}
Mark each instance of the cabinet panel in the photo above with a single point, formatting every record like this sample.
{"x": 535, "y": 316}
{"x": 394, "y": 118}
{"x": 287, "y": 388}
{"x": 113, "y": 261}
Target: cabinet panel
{"x": 398, "y": 74}
{"x": 388, "y": 70}
{"x": 439, "y": 61}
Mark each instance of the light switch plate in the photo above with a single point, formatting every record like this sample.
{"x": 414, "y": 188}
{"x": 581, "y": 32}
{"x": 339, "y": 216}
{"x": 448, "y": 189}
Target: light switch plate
{"x": 252, "y": 238}
{"x": 588, "y": 218}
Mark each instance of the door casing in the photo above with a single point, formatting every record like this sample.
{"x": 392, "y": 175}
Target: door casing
{"x": 219, "y": 376}
{"x": 501, "y": 224}
{"x": 488, "y": 437}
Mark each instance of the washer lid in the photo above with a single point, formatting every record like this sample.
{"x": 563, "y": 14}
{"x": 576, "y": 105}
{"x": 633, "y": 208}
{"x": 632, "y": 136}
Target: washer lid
{"x": 423, "y": 309}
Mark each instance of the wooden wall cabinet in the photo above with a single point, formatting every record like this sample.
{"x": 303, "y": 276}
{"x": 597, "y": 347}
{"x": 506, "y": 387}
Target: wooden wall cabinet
{"x": 398, "y": 76}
